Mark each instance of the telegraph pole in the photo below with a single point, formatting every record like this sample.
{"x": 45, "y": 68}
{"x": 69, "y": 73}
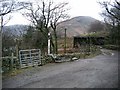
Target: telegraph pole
{"x": 1, "y": 36}
{"x": 65, "y": 41}
{"x": 1, "y": 49}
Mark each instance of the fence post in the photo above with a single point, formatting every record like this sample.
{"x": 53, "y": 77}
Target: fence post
{"x": 40, "y": 61}
{"x": 20, "y": 60}
{"x": 11, "y": 62}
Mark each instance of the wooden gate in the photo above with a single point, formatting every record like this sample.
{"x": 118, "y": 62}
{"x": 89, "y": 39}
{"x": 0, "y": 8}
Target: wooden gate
{"x": 29, "y": 57}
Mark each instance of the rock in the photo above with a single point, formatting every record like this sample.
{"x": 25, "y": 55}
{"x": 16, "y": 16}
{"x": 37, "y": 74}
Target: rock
{"x": 74, "y": 58}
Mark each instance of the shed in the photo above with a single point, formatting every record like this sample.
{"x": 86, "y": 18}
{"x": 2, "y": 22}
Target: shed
{"x": 87, "y": 40}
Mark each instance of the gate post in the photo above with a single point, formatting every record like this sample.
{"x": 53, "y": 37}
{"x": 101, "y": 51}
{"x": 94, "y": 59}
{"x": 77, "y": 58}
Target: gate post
{"x": 20, "y": 60}
{"x": 11, "y": 62}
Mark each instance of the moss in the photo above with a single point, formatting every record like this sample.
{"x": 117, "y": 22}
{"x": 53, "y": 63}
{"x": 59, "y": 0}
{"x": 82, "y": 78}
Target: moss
{"x": 12, "y": 73}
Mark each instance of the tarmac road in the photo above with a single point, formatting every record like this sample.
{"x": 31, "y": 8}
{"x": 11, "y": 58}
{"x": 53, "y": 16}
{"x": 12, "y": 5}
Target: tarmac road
{"x": 98, "y": 72}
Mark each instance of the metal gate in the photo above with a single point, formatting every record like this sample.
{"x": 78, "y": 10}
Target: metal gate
{"x": 29, "y": 57}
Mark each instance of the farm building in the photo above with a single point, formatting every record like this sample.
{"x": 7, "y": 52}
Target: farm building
{"x": 87, "y": 40}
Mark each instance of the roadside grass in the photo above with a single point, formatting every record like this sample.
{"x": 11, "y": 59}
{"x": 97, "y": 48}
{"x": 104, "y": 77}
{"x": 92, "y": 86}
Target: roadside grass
{"x": 84, "y": 55}
{"x": 11, "y": 73}
{"x": 15, "y": 72}
{"x": 112, "y": 47}
{"x": 94, "y": 54}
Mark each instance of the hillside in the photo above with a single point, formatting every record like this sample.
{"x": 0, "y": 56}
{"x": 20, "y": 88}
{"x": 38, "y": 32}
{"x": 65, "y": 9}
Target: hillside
{"x": 76, "y": 26}
{"x": 15, "y": 30}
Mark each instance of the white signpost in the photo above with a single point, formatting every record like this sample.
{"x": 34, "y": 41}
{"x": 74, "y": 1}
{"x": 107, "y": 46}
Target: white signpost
{"x": 49, "y": 46}
{"x": 48, "y": 43}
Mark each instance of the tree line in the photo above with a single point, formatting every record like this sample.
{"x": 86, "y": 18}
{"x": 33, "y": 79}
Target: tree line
{"x": 111, "y": 15}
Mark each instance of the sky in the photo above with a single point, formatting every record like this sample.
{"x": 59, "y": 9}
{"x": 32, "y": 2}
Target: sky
{"x": 77, "y": 8}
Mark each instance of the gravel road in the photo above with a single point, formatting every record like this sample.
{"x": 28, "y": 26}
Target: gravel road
{"x": 98, "y": 72}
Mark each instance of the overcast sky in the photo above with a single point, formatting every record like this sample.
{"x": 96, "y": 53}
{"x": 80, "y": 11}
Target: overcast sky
{"x": 77, "y": 8}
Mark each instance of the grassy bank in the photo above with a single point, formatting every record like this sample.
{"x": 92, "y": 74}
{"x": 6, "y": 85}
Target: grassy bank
{"x": 112, "y": 47}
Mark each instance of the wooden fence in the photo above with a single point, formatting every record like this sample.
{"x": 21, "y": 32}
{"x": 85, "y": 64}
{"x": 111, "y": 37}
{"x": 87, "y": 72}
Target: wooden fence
{"x": 9, "y": 63}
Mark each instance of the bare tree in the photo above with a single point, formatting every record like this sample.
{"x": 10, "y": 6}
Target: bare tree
{"x": 45, "y": 14}
{"x": 6, "y": 7}
{"x": 112, "y": 18}
{"x": 112, "y": 11}
{"x": 57, "y": 14}
{"x": 39, "y": 16}
{"x": 9, "y": 6}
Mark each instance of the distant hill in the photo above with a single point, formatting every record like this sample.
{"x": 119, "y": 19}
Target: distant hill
{"x": 76, "y": 26}
{"x": 15, "y": 30}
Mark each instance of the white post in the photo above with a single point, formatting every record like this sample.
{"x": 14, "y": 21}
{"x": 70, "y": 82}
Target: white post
{"x": 48, "y": 43}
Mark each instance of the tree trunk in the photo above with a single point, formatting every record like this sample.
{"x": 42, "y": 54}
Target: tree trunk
{"x": 53, "y": 25}
{"x": 1, "y": 40}
{"x": 55, "y": 37}
{"x": 52, "y": 46}
{"x": 56, "y": 46}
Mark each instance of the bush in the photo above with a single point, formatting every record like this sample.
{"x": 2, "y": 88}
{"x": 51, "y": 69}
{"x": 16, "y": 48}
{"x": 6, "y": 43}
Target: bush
{"x": 6, "y": 64}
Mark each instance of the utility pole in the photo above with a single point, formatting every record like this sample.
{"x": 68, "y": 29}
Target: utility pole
{"x": 65, "y": 42}
{"x": 1, "y": 29}
{"x": 1, "y": 49}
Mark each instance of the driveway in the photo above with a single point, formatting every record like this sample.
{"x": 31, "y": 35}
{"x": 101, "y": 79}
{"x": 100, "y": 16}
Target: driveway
{"x": 98, "y": 72}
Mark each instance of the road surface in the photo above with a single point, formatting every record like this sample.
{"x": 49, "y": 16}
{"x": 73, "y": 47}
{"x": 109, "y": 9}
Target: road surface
{"x": 98, "y": 72}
